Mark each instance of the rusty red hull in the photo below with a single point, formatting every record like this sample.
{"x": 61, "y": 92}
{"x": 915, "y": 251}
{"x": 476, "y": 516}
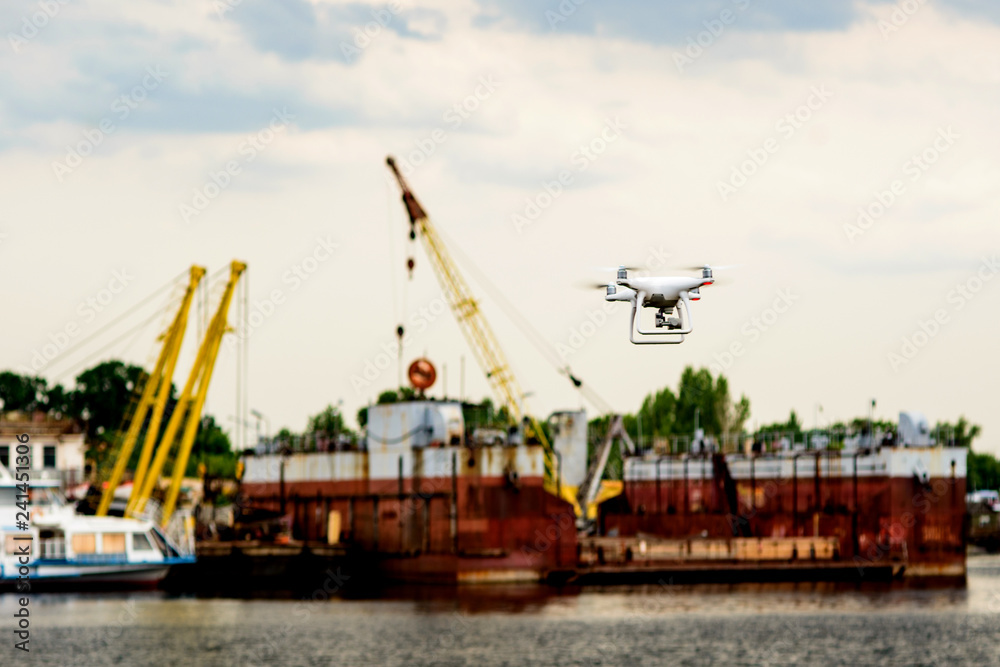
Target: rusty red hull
{"x": 875, "y": 520}
{"x": 444, "y": 530}
{"x": 838, "y": 514}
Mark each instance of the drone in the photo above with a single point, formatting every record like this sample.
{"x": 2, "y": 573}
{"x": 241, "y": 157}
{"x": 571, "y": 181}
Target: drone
{"x": 668, "y": 295}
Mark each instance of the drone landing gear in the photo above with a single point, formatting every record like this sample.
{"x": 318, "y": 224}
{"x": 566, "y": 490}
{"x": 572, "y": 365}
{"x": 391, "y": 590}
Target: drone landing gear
{"x": 676, "y": 327}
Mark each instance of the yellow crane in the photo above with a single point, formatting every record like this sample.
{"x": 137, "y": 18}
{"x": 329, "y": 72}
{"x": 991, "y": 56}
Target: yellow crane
{"x": 155, "y": 393}
{"x": 188, "y": 409}
{"x": 475, "y": 327}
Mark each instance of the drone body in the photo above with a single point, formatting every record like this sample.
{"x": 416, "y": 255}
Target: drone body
{"x": 667, "y": 295}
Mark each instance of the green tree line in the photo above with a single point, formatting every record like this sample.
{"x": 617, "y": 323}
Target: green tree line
{"x": 101, "y": 402}
{"x": 706, "y": 398}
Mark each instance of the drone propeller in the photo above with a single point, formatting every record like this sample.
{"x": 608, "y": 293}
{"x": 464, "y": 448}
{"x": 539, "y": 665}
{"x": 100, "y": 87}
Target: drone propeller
{"x": 594, "y": 285}
{"x": 615, "y": 268}
{"x": 723, "y": 267}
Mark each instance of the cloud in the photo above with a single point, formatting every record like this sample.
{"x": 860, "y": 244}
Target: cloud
{"x": 655, "y": 185}
{"x": 662, "y": 22}
{"x": 298, "y": 30}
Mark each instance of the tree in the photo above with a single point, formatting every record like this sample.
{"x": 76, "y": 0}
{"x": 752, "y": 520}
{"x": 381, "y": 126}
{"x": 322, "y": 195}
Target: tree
{"x": 792, "y": 426}
{"x": 702, "y": 399}
{"x": 213, "y": 449}
{"x": 329, "y": 423}
{"x": 696, "y": 402}
{"x": 735, "y": 415}
{"x": 959, "y": 434}
{"x": 104, "y": 394}
{"x": 21, "y": 392}
{"x": 657, "y": 416}
{"x": 59, "y": 403}
{"x": 983, "y": 472}
{"x": 210, "y": 438}
{"x": 328, "y": 427}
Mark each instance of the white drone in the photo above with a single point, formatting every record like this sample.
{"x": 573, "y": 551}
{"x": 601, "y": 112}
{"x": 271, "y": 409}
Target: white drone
{"x": 667, "y": 295}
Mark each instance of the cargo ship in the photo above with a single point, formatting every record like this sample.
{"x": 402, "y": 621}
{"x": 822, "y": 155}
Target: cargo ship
{"x": 890, "y": 511}
{"x": 423, "y": 499}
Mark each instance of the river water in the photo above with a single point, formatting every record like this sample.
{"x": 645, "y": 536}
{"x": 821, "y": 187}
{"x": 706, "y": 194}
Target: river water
{"x": 663, "y": 624}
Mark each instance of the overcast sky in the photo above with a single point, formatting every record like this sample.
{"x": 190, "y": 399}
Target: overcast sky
{"x": 545, "y": 139}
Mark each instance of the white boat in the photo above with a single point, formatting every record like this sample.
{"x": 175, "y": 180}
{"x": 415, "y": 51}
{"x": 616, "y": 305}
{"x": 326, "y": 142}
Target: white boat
{"x": 67, "y": 549}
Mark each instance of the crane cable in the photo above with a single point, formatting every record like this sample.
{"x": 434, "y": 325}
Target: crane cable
{"x": 99, "y": 352}
{"x": 68, "y": 351}
{"x": 526, "y": 328}
{"x": 398, "y": 302}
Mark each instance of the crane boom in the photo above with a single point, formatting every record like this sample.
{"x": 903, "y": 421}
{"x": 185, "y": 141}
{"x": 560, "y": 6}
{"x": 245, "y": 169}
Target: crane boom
{"x": 473, "y": 323}
{"x": 189, "y": 407}
{"x": 157, "y": 384}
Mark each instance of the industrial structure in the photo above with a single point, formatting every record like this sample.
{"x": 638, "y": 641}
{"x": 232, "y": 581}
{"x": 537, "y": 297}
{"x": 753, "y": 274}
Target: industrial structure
{"x": 421, "y": 498}
{"x": 186, "y": 416}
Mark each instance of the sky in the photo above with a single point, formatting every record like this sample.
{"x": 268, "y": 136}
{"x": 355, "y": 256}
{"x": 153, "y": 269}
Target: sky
{"x": 841, "y": 157}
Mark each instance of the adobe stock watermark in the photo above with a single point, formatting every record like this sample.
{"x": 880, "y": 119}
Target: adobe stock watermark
{"x": 126, "y": 618}
{"x": 454, "y": 117}
{"x": 786, "y": 127}
{"x": 900, "y": 16}
{"x": 597, "y": 318}
{"x": 269, "y": 648}
{"x": 714, "y": 29}
{"x": 363, "y": 37}
{"x": 418, "y": 322}
{"x": 121, "y": 108}
{"x": 613, "y": 645}
{"x": 448, "y": 638}
{"x": 87, "y": 311}
{"x": 752, "y": 330}
{"x": 563, "y": 524}
{"x": 293, "y": 278}
{"x": 871, "y": 552}
{"x": 563, "y": 11}
{"x": 223, "y": 7}
{"x": 957, "y": 298}
{"x": 581, "y": 160}
{"x": 35, "y": 23}
{"x": 914, "y": 168}
{"x": 249, "y": 149}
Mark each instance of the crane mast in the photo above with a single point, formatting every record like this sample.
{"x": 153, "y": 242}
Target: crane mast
{"x": 473, "y": 323}
{"x": 187, "y": 412}
{"x": 154, "y": 396}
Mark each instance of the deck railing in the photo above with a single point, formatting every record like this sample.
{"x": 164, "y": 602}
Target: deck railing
{"x": 53, "y": 548}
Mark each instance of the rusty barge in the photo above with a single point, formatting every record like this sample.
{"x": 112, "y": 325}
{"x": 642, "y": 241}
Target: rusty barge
{"x": 424, "y": 501}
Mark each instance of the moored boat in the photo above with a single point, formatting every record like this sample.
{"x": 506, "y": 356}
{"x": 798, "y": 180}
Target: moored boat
{"x": 62, "y": 549}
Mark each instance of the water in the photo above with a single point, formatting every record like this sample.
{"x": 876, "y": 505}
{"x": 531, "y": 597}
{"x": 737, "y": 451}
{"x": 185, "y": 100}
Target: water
{"x": 650, "y": 625}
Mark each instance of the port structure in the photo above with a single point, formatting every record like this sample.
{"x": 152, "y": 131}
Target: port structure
{"x": 187, "y": 412}
{"x": 474, "y": 325}
{"x": 155, "y": 392}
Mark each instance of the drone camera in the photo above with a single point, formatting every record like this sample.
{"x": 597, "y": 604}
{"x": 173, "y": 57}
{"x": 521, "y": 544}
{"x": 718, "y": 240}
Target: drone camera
{"x": 664, "y": 319}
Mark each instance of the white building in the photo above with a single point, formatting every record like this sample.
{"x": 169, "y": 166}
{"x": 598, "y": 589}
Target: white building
{"x": 56, "y": 446}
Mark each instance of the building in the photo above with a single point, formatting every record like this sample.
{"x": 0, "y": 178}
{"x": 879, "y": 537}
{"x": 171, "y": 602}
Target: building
{"x": 57, "y": 447}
